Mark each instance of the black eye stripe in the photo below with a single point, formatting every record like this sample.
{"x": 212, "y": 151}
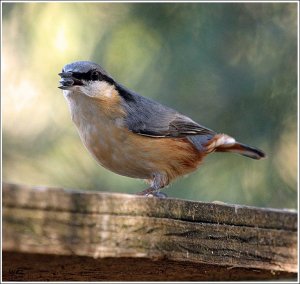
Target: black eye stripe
{"x": 91, "y": 76}
{"x": 88, "y": 76}
{"x": 82, "y": 76}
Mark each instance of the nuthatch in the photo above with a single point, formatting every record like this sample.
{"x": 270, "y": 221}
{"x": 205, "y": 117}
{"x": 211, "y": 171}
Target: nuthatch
{"x": 135, "y": 136}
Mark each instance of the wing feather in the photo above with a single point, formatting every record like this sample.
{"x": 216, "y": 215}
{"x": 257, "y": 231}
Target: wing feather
{"x": 149, "y": 118}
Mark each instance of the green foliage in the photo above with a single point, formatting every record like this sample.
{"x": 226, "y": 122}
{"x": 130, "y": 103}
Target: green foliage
{"x": 230, "y": 67}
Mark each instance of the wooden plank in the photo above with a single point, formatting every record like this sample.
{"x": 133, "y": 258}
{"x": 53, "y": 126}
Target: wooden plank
{"x": 53, "y": 221}
{"x": 82, "y": 201}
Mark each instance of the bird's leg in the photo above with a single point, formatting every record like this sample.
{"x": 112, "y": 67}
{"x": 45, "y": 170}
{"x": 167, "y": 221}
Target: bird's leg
{"x": 157, "y": 183}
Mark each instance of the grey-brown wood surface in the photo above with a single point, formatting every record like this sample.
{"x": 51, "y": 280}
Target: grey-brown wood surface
{"x": 56, "y": 226}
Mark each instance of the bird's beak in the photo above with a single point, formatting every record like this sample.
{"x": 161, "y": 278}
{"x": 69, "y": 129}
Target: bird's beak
{"x": 67, "y": 81}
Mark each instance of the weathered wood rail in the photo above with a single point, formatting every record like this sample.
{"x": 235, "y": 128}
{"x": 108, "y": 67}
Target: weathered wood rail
{"x": 58, "y": 234}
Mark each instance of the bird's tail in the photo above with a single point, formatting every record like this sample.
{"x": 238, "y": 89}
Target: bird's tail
{"x": 225, "y": 143}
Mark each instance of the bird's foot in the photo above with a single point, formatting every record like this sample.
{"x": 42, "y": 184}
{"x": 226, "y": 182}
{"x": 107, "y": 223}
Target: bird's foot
{"x": 157, "y": 194}
{"x": 151, "y": 192}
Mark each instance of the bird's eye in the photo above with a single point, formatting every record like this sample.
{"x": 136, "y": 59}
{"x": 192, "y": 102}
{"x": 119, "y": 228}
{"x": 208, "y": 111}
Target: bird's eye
{"x": 95, "y": 75}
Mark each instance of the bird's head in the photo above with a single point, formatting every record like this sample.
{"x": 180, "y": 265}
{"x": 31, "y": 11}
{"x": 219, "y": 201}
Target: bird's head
{"x": 84, "y": 77}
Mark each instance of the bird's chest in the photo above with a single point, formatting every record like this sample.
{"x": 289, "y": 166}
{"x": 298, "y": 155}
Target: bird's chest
{"x": 103, "y": 132}
{"x": 104, "y": 139}
{"x": 111, "y": 145}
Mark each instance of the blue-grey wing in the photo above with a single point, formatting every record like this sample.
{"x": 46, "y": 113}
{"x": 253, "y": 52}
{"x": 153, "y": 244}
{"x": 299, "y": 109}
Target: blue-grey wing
{"x": 150, "y": 118}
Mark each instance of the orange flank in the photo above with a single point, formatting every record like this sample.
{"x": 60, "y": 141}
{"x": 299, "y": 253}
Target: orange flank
{"x": 133, "y": 155}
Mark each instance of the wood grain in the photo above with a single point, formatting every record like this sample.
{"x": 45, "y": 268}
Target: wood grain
{"x": 120, "y": 228}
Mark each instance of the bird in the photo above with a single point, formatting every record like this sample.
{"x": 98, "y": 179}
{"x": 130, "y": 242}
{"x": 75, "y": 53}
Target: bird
{"x": 135, "y": 136}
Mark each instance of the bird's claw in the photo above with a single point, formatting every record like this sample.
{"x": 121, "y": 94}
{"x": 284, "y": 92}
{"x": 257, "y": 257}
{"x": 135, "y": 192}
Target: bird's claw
{"x": 157, "y": 194}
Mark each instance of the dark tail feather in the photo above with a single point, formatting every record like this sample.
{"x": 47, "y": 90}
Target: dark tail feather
{"x": 242, "y": 149}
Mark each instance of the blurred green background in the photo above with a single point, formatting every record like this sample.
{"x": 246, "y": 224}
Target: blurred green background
{"x": 230, "y": 67}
